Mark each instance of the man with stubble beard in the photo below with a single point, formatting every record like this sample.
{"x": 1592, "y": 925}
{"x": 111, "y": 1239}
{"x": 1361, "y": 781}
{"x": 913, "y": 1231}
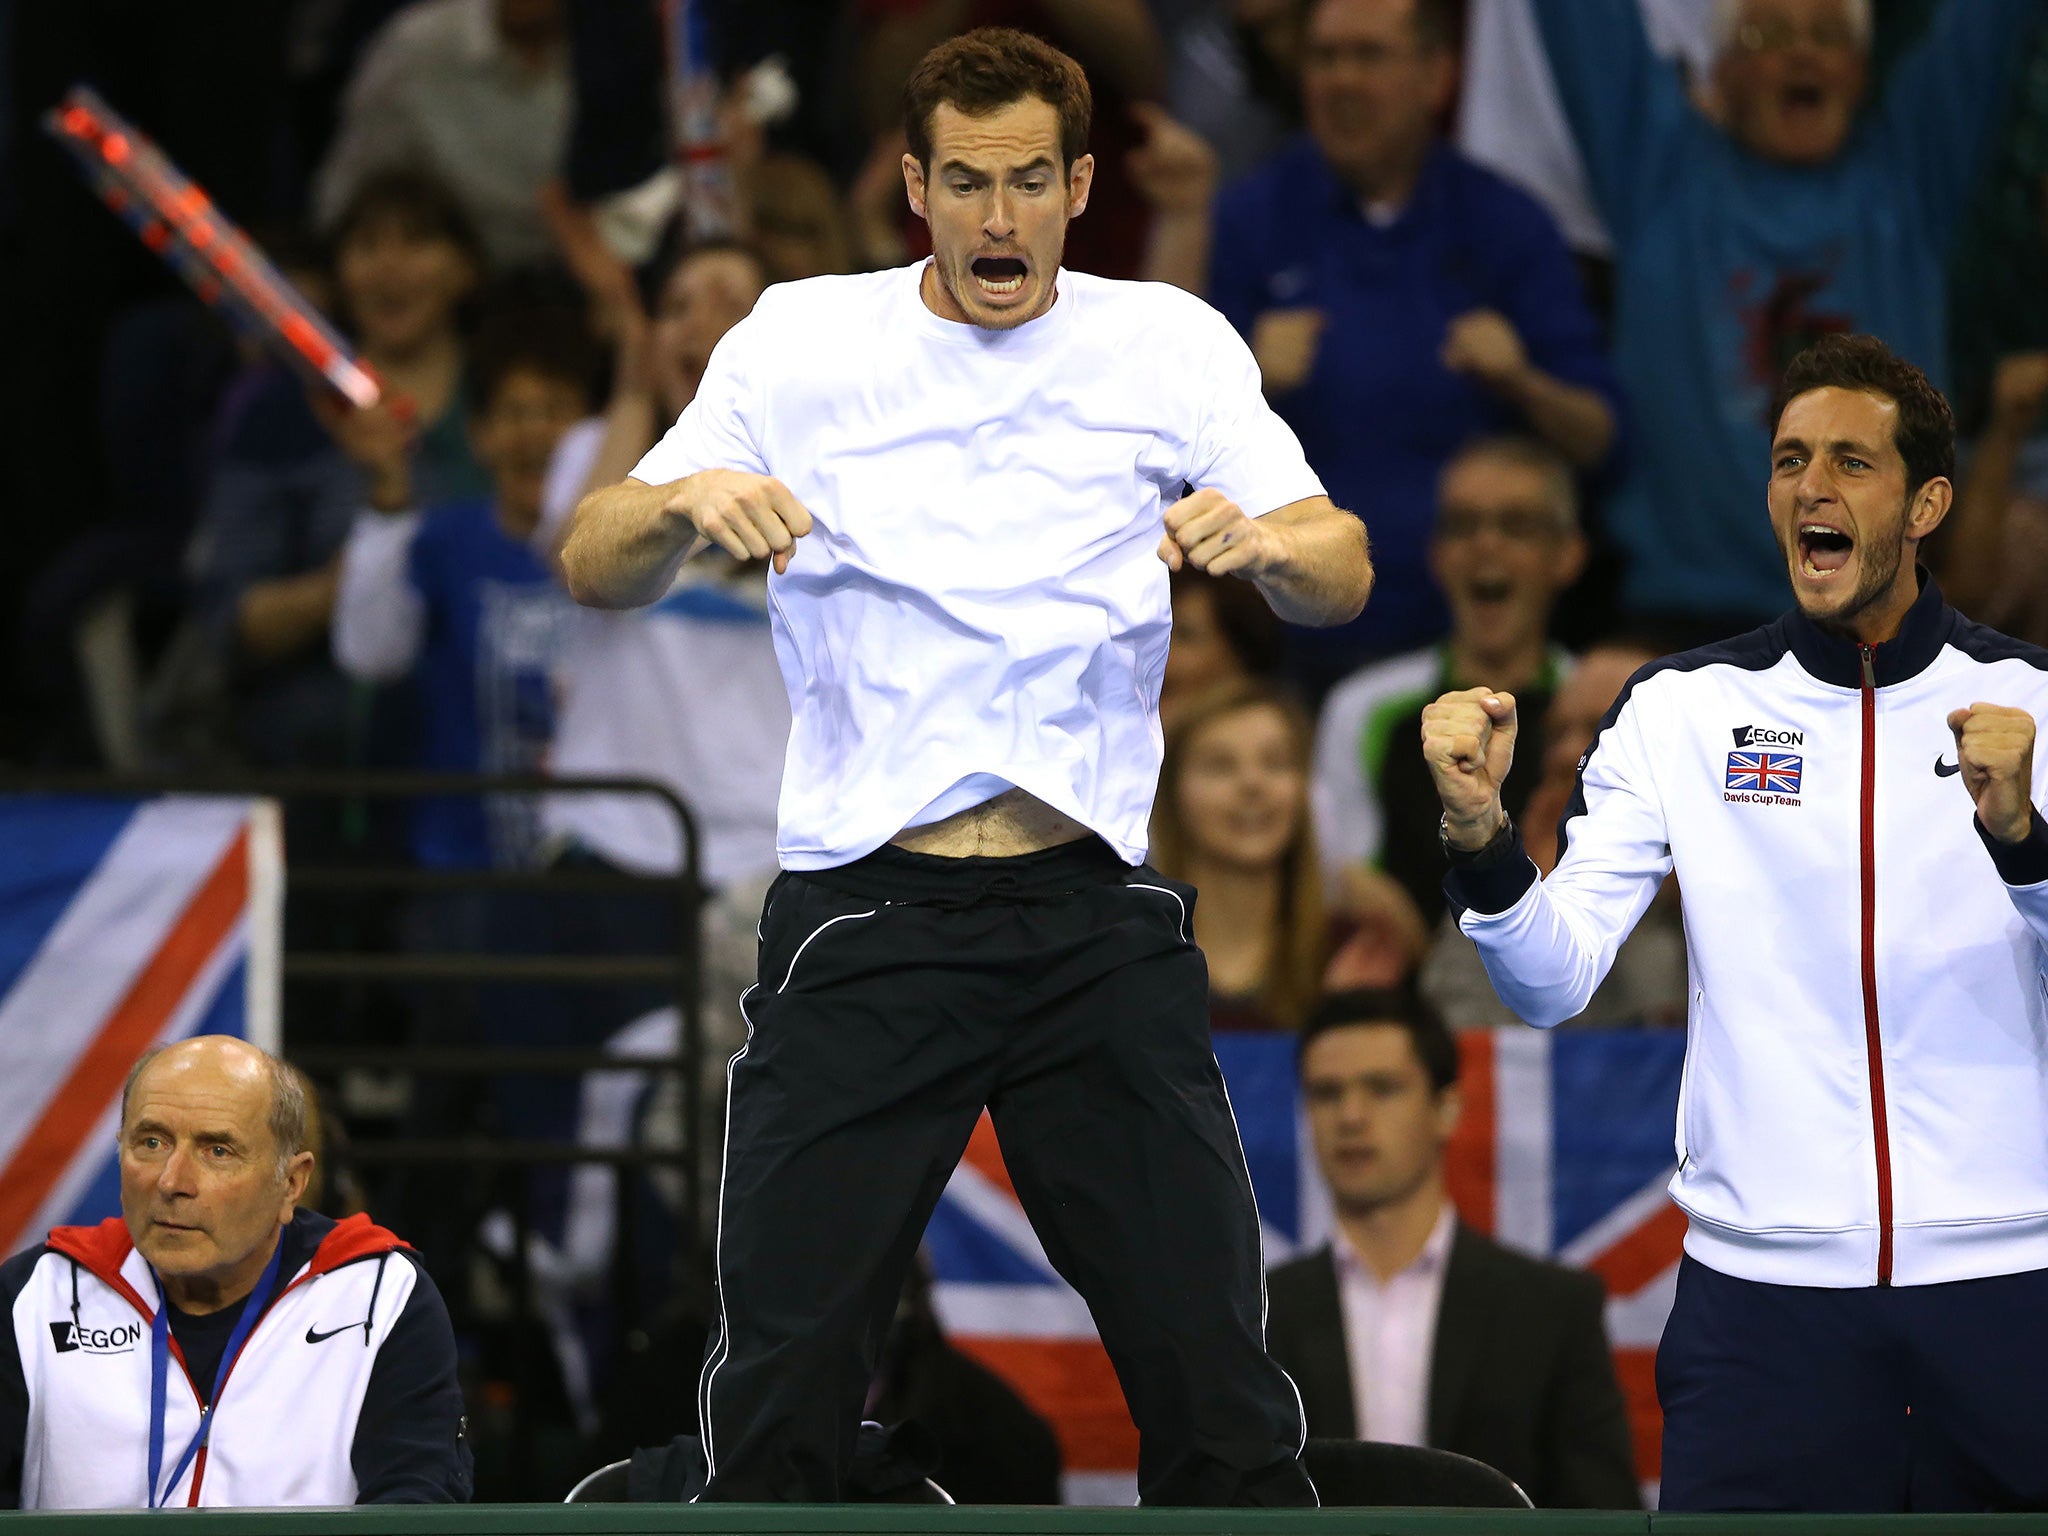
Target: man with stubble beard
{"x": 969, "y": 477}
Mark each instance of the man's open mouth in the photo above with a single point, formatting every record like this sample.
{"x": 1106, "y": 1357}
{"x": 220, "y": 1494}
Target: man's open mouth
{"x": 1823, "y": 548}
{"x": 999, "y": 275}
{"x": 1490, "y": 589}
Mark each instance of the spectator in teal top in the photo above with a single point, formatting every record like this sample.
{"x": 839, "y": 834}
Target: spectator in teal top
{"x": 1743, "y": 235}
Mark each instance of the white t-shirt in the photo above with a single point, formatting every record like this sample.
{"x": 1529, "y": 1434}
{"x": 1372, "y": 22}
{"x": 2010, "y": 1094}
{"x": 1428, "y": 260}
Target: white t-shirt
{"x": 980, "y": 603}
{"x": 686, "y": 692}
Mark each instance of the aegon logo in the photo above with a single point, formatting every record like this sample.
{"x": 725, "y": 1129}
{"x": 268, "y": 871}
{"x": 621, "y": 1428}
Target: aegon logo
{"x": 95, "y": 1341}
{"x": 1767, "y": 736}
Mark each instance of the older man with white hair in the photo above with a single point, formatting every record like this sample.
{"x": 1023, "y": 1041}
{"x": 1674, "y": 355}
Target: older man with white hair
{"x": 1754, "y": 207}
{"x": 214, "y": 1345}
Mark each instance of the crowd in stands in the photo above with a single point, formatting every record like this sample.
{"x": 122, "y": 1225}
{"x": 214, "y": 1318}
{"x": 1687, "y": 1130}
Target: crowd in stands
{"x": 1521, "y": 276}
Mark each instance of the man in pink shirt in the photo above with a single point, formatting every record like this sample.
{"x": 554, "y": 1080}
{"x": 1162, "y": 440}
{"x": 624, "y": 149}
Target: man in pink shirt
{"x": 1411, "y": 1328}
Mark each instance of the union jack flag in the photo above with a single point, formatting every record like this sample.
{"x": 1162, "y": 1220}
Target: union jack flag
{"x": 124, "y": 923}
{"x": 1564, "y": 1150}
{"x": 1770, "y": 772}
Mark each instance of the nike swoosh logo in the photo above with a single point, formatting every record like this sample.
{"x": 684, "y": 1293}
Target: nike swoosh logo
{"x": 315, "y": 1337}
{"x": 1946, "y": 770}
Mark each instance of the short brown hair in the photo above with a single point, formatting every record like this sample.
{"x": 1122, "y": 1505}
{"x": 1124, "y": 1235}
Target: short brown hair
{"x": 1925, "y": 431}
{"x": 985, "y": 70}
{"x": 1401, "y": 1007}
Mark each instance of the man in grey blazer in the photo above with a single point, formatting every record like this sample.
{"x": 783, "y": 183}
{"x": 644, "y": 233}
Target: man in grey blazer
{"x": 1409, "y": 1326}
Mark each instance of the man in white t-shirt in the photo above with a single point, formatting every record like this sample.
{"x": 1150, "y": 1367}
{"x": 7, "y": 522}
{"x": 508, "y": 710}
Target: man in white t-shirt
{"x": 970, "y": 479}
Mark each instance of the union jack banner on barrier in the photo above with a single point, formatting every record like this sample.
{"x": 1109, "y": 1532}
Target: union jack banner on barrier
{"x": 124, "y": 923}
{"x": 1564, "y": 1150}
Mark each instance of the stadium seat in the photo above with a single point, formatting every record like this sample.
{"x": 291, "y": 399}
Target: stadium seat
{"x": 1359, "y": 1473}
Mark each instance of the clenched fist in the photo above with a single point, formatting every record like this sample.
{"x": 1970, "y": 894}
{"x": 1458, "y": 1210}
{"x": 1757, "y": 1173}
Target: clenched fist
{"x": 1995, "y": 746}
{"x": 1468, "y": 740}
{"x": 1285, "y": 341}
{"x": 750, "y": 517}
{"x": 1211, "y": 532}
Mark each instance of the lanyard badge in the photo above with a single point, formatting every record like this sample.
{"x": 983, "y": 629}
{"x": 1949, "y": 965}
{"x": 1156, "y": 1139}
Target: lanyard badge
{"x": 160, "y": 1370}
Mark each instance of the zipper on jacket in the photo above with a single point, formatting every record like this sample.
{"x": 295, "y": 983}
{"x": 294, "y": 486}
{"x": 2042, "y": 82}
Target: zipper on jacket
{"x": 1872, "y": 1040}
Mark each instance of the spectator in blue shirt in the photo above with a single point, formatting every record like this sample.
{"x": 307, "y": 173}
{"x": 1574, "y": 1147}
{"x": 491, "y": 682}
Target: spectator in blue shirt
{"x": 459, "y": 594}
{"x": 1401, "y": 301}
{"x": 1739, "y": 240}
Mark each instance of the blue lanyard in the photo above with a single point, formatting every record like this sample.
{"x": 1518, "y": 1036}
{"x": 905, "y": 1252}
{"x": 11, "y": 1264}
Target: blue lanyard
{"x": 160, "y": 1370}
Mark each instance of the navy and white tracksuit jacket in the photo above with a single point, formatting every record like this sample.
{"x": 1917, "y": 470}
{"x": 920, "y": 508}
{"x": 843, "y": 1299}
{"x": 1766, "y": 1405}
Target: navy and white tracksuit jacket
{"x": 1865, "y": 1098}
{"x": 343, "y": 1393}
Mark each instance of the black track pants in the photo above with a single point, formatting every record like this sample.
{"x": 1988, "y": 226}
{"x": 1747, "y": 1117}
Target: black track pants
{"x": 897, "y": 996}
